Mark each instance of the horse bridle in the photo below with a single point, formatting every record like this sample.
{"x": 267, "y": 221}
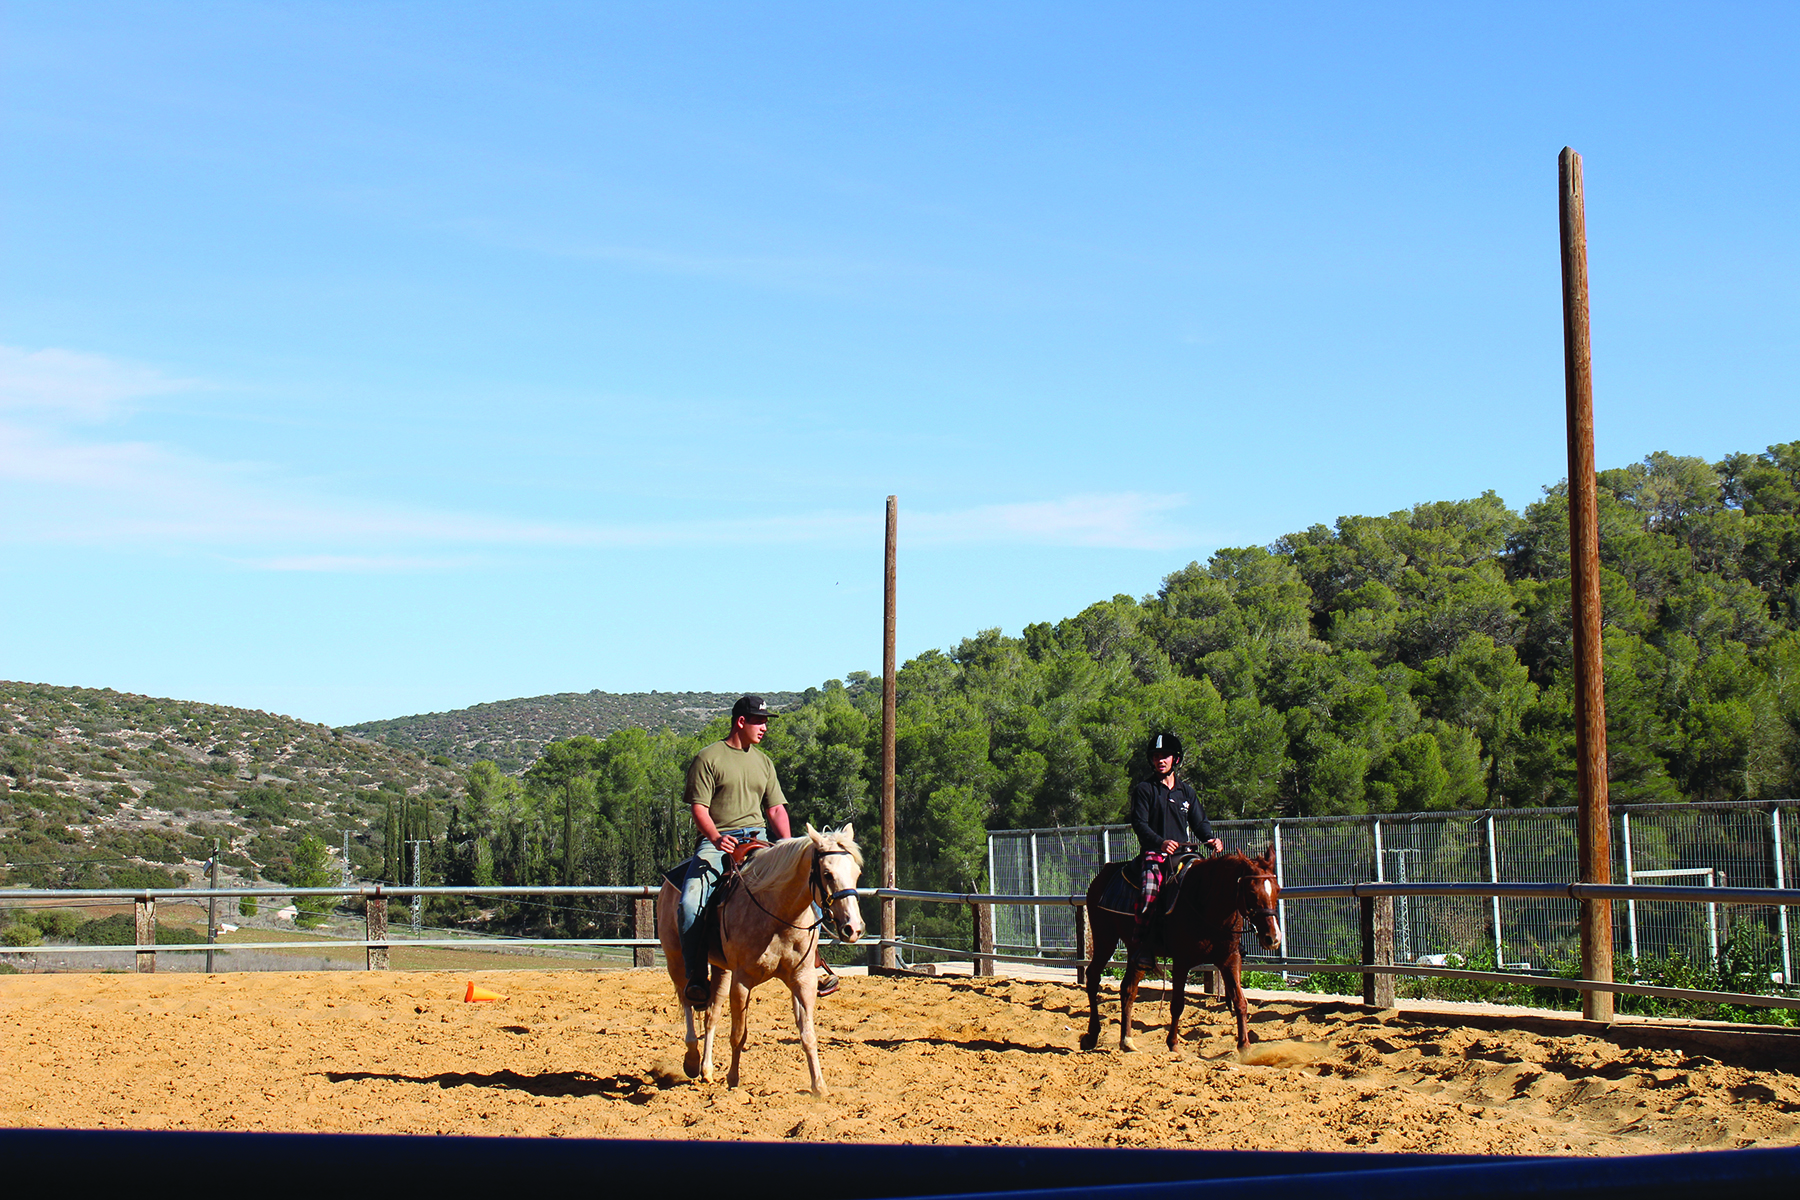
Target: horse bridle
{"x": 826, "y": 900}
{"x": 1252, "y": 909}
{"x": 816, "y": 887}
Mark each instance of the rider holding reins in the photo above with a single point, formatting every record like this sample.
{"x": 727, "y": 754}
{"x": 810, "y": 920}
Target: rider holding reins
{"x": 731, "y": 787}
{"x": 1164, "y": 810}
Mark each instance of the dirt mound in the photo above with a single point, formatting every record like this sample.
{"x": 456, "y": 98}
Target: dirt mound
{"x": 908, "y": 1060}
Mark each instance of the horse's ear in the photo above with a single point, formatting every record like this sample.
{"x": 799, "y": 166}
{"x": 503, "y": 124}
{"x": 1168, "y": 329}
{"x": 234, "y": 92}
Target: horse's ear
{"x": 1268, "y": 855}
{"x": 848, "y": 832}
{"x": 814, "y": 834}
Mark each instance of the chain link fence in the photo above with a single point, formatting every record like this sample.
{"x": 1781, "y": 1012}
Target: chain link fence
{"x": 1737, "y": 844}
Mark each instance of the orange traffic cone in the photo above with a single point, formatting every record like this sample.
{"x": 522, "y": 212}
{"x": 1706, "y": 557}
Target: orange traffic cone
{"x": 480, "y": 993}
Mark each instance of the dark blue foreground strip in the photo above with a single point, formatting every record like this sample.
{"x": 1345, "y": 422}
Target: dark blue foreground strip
{"x": 465, "y": 1168}
{"x": 1700, "y": 1175}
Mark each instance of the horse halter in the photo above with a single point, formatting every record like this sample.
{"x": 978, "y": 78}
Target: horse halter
{"x": 827, "y": 899}
{"x": 816, "y": 886}
{"x": 1252, "y": 908}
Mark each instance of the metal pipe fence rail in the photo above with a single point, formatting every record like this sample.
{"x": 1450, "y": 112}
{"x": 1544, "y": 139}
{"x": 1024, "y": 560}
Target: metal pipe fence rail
{"x": 1749, "y": 843}
{"x": 1377, "y": 900}
{"x": 376, "y": 943}
{"x": 375, "y": 897}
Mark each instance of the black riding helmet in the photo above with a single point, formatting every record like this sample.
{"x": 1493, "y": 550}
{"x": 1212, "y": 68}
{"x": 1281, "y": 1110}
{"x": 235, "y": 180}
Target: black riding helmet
{"x": 1161, "y": 744}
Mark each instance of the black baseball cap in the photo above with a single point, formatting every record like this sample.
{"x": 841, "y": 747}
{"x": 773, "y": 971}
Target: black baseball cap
{"x": 750, "y": 706}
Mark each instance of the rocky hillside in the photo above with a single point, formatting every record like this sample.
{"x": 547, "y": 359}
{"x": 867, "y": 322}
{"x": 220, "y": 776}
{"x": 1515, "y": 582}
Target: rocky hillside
{"x": 101, "y": 789}
{"x": 513, "y": 733}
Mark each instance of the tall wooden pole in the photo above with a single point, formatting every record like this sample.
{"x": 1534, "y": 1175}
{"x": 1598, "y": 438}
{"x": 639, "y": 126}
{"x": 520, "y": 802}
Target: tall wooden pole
{"x": 889, "y": 956}
{"x": 212, "y": 907}
{"x": 1595, "y": 833}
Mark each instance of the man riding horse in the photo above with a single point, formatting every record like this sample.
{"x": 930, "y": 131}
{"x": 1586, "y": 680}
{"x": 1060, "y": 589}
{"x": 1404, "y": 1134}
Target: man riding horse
{"x": 731, "y": 785}
{"x": 1164, "y": 810}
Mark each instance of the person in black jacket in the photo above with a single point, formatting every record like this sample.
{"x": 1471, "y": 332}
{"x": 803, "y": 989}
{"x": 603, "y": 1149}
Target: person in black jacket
{"x": 1164, "y": 810}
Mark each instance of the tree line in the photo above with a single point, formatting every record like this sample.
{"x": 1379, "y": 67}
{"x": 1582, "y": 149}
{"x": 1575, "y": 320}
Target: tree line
{"x": 1415, "y": 661}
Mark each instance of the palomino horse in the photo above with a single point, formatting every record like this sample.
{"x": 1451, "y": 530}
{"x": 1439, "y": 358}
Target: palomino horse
{"x": 1217, "y": 895}
{"x": 767, "y": 931}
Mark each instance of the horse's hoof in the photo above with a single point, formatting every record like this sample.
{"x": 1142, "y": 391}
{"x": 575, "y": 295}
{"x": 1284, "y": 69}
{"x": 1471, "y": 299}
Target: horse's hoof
{"x": 691, "y": 1064}
{"x": 1127, "y": 1045}
{"x": 1089, "y": 1041}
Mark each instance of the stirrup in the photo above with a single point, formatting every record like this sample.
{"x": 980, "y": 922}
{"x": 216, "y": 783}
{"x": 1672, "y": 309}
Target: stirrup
{"x": 828, "y": 984}
{"x": 698, "y": 993}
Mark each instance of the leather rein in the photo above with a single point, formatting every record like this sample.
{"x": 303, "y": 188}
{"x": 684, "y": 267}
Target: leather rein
{"x": 1250, "y": 908}
{"x": 815, "y": 888}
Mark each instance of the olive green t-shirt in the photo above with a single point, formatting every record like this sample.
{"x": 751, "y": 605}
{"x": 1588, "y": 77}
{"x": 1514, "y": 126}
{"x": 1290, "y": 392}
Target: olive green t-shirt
{"x": 737, "y": 785}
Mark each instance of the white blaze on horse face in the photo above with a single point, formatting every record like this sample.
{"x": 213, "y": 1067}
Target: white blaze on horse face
{"x": 1265, "y": 899}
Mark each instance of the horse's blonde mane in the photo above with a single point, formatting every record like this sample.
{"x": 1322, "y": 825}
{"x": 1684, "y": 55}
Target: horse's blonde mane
{"x": 779, "y": 860}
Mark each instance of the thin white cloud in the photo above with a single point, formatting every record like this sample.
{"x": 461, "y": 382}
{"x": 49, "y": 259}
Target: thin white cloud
{"x": 59, "y": 484}
{"x": 143, "y": 494}
{"x": 87, "y": 387}
{"x": 361, "y": 563}
{"x": 92, "y": 492}
{"x": 1120, "y": 520}
{"x": 814, "y": 273}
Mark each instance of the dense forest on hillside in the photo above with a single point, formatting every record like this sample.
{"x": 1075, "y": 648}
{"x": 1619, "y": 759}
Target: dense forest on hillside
{"x": 103, "y": 789}
{"x": 513, "y": 733}
{"x": 1407, "y": 662}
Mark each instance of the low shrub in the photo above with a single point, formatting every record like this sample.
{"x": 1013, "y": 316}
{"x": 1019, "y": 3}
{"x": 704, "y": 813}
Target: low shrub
{"x": 121, "y": 930}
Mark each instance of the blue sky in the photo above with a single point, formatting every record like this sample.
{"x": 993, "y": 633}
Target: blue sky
{"x": 366, "y": 359}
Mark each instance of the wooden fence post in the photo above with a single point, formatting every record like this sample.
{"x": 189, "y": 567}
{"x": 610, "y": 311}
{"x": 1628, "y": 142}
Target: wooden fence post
{"x": 144, "y": 910}
{"x": 887, "y": 955}
{"x": 375, "y": 914}
{"x": 645, "y": 956}
{"x": 984, "y": 939}
{"x": 1084, "y": 945}
{"x": 1378, "y": 949}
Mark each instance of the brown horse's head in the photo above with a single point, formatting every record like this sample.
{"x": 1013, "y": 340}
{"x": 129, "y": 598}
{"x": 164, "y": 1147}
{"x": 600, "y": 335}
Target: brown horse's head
{"x": 1258, "y": 895}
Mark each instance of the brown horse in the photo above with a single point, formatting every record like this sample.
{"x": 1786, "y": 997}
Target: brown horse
{"x": 1217, "y": 896}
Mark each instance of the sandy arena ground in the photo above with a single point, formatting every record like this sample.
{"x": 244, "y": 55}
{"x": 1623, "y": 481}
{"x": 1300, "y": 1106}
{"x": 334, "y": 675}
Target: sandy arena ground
{"x": 597, "y": 1054}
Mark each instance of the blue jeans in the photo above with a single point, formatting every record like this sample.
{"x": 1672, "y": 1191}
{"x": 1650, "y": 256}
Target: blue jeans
{"x": 705, "y": 870}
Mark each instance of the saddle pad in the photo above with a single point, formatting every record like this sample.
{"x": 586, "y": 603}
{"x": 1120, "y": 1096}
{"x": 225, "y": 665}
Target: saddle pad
{"x": 1121, "y": 894}
{"x": 684, "y": 870}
